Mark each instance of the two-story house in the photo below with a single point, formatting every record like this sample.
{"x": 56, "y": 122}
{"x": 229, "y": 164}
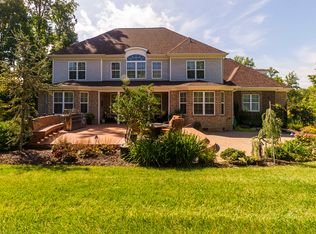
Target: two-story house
{"x": 187, "y": 75}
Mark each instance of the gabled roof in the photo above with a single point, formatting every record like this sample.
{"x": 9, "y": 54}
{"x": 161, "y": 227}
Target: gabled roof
{"x": 240, "y": 75}
{"x": 156, "y": 40}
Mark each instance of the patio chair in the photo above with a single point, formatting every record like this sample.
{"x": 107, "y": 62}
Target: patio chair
{"x": 175, "y": 124}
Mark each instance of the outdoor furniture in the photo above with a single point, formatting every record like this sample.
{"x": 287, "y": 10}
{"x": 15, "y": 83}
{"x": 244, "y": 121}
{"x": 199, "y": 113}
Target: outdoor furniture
{"x": 156, "y": 129}
{"x": 46, "y": 125}
{"x": 175, "y": 124}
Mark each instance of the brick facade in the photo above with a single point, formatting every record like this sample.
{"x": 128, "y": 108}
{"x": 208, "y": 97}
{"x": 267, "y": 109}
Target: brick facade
{"x": 216, "y": 122}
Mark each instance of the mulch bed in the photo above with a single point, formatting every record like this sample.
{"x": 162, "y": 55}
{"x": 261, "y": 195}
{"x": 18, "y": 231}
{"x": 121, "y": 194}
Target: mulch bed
{"x": 45, "y": 158}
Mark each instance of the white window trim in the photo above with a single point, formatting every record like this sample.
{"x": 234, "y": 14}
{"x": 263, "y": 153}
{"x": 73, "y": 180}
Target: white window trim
{"x": 195, "y": 70}
{"x": 186, "y": 97}
{"x": 223, "y": 102}
{"x": 116, "y": 70}
{"x": 136, "y": 61}
{"x": 250, "y": 102}
{"x": 204, "y": 103}
{"x": 152, "y": 70}
{"x": 63, "y": 101}
{"x": 85, "y": 77}
{"x": 84, "y": 102}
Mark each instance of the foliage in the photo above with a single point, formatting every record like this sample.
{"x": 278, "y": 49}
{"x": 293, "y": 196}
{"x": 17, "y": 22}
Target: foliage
{"x": 197, "y": 125}
{"x": 89, "y": 118}
{"x": 8, "y": 135}
{"x": 271, "y": 129}
{"x": 312, "y": 79}
{"x": 291, "y": 80}
{"x": 51, "y": 22}
{"x": 236, "y": 156}
{"x": 295, "y": 125}
{"x": 281, "y": 114}
{"x": 248, "y": 62}
{"x": 173, "y": 149}
{"x": 24, "y": 80}
{"x": 309, "y": 129}
{"x": 275, "y": 74}
{"x": 66, "y": 152}
{"x": 136, "y": 107}
{"x": 300, "y": 149}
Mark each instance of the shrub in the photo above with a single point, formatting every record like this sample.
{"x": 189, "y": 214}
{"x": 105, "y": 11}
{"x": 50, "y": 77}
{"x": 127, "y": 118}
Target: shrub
{"x": 64, "y": 152}
{"x": 296, "y": 125}
{"x": 8, "y": 135}
{"x": 236, "y": 156}
{"x": 172, "y": 149}
{"x": 197, "y": 125}
{"x": 309, "y": 129}
{"x": 300, "y": 149}
{"x": 89, "y": 118}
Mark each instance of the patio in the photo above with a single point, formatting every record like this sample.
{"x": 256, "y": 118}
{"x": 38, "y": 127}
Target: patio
{"x": 111, "y": 134}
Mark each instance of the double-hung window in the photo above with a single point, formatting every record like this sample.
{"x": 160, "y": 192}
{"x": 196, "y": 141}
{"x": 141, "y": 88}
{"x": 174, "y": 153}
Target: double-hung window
{"x": 63, "y": 101}
{"x": 116, "y": 70}
{"x": 204, "y": 103}
{"x": 77, "y": 70}
{"x": 84, "y": 99}
{"x": 156, "y": 70}
{"x": 251, "y": 102}
{"x": 195, "y": 70}
{"x": 183, "y": 102}
{"x": 136, "y": 66}
{"x": 222, "y": 103}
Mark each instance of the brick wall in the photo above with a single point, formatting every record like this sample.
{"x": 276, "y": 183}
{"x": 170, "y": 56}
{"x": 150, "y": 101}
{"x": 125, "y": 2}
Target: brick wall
{"x": 93, "y": 105}
{"x": 217, "y": 122}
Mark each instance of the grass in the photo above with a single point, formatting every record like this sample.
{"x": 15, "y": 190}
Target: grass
{"x": 115, "y": 199}
{"x": 243, "y": 129}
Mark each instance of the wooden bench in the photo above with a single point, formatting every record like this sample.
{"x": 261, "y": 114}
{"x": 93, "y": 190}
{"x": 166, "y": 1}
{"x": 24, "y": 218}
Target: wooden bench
{"x": 45, "y": 126}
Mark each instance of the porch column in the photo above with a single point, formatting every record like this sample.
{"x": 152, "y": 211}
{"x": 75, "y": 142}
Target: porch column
{"x": 117, "y": 120}
{"x": 98, "y": 107}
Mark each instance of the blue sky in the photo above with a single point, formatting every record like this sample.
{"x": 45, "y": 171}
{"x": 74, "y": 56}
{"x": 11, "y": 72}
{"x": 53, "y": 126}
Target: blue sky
{"x": 277, "y": 33}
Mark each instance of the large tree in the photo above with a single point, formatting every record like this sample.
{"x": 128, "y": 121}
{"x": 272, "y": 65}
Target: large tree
{"x": 52, "y": 22}
{"x": 291, "y": 80}
{"x": 248, "y": 62}
{"x": 275, "y": 74}
{"x": 23, "y": 80}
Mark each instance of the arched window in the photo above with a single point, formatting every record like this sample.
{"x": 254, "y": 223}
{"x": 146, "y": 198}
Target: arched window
{"x": 136, "y": 66}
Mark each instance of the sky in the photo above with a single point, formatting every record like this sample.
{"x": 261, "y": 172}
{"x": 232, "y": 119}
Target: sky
{"x": 275, "y": 33}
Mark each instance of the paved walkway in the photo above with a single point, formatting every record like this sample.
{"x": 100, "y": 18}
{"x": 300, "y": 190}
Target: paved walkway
{"x": 237, "y": 140}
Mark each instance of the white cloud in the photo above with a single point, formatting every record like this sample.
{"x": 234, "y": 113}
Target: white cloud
{"x": 253, "y": 8}
{"x": 191, "y": 25}
{"x": 129, "y": 15}
{"x": 208, "y": 35}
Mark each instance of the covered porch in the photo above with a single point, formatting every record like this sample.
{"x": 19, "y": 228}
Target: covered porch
{"x": 107, "y": 99}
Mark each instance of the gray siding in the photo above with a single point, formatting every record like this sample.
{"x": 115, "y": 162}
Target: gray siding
{"x": 60, "y": 70}
{"x": 106, "y": 69}
{"x": 213, "y": 70}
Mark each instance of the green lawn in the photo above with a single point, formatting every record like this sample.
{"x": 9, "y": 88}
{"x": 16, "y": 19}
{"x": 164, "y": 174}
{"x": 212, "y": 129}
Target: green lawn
{"x": 140, "y": 200}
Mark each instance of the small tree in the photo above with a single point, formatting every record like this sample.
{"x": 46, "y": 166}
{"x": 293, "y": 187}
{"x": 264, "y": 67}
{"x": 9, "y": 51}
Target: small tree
{"x": 23, "y": 80}
{"x": 270, "y": 132}
{"x": 246, "y": 61}
{"x": 137, "y": 108}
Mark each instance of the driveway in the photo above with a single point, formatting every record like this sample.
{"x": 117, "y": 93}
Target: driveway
{"x": 237, "y": 140}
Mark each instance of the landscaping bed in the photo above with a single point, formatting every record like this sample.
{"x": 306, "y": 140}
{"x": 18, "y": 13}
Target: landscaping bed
{"x": 46, "y": 158}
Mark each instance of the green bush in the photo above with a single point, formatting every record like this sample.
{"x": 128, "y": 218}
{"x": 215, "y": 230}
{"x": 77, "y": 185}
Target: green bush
{"x": 309, "y": 129}
{"x": 8, "y": 135}
{"x": 296, "y": 125}
{"x": 89, "y": 118}
{"x": 300, "y": 149}
{"x": 173, "y": 149}
{"x": 236, "y": 156}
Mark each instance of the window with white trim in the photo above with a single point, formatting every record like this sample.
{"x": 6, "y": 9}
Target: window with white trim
{"x": 222, "y": 103}
{"x": 204, "y": 103}
{"x": 84, "y": 99}
{"x": 183, "y": 102}
{"x": 63, "y": 101}
{"x": 136, "y": 66}
{"x": 195, "y": 69}
{"x": 156, "y": 70}
{"x": 116, "y": 70}
{"x": 77, "y": 70}
{"x": 251, "y": 102}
